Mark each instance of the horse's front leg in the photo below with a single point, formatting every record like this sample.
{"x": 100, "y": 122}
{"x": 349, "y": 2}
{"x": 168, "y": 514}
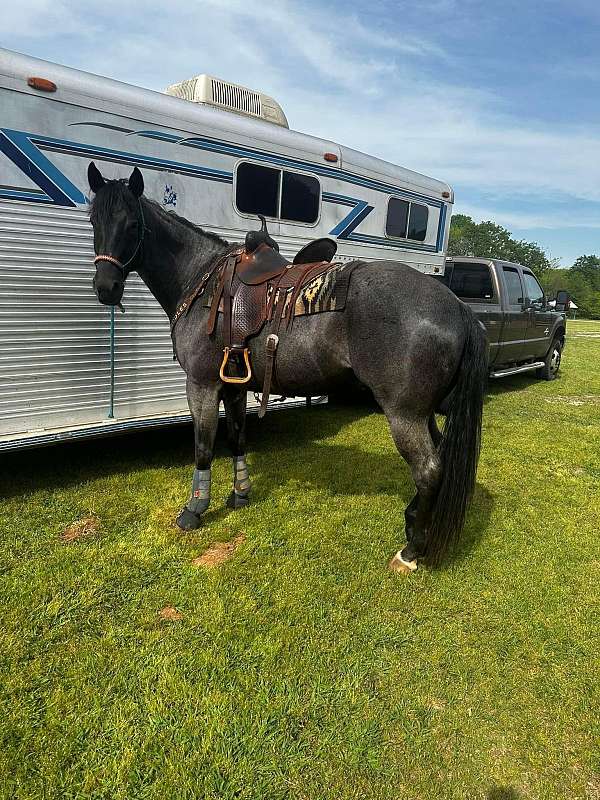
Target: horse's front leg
{"x": 234, "y": 400}
{"x": 204, "y": 408}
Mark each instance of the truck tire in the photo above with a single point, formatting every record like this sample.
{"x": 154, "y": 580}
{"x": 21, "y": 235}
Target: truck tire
{"x": 552, "y": 361}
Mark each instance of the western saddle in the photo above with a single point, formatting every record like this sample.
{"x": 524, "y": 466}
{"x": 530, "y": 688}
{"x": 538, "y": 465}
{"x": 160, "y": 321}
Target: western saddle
{"x": 255, "y": 285}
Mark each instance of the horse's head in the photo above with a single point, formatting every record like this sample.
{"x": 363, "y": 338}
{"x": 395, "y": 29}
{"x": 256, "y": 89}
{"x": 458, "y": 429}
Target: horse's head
{"x": 118, "y": 221}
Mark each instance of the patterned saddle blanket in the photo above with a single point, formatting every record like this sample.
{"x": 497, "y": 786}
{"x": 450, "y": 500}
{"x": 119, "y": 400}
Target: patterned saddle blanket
{"x": 325, "y": 292}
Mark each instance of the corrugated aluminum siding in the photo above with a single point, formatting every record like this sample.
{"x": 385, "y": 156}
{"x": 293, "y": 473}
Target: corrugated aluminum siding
{"x": 147, "y": 380}
{"x": 55, "y": 336}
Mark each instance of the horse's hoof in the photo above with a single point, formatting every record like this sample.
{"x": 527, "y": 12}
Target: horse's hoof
{"x": 237, "y": 501}
{"x": 188, "y": 521}
{"x": 398, "y": 564}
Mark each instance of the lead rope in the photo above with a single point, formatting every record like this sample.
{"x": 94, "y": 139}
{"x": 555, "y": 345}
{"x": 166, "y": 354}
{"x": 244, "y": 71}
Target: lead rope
{"x": 121, "y": 266}
{"x": 111, "y": 402}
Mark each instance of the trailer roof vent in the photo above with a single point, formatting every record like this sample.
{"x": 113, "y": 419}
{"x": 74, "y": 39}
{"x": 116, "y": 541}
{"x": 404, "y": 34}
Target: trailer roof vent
{"x": 230, "y": 96}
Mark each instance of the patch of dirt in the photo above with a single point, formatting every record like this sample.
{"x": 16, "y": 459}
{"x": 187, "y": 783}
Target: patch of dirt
{"x": 219, "y": 552}
{"x": 437, "y": 705}
{"x": 82, "y": 529}
{"x": 170, "y": 614}
{"x": 593, "y": 788}
{"x": 575, "y": 400}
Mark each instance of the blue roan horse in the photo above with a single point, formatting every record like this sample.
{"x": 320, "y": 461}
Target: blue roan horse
{"x": 401, "y": 334}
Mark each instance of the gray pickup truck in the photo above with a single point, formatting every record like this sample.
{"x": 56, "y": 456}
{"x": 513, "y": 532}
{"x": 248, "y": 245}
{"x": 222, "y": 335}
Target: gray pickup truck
{"x": 524, "y": 332}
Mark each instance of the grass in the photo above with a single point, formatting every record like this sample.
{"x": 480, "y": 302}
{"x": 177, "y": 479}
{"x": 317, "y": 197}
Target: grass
{"x": 300, "y": 667}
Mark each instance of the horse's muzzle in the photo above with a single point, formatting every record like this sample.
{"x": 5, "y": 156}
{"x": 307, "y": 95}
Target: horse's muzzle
{"x": 108, "y": 284}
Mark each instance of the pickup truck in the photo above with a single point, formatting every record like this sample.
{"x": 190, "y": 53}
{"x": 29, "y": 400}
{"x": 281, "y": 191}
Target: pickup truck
{"x": 524, "y": 333}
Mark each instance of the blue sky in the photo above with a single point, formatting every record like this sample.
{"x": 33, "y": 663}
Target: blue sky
{"x": 500, "y": 99}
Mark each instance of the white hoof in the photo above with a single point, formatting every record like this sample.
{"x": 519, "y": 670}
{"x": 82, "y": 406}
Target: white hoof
{"x": 398, "y": 564}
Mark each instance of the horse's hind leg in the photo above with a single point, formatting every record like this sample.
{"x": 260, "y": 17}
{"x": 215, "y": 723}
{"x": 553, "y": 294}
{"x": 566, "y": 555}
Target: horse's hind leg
{"x": 204, "y": 408}
{"x": 234, "y": 400}
{"x": 413, "y": 438}
{"x": 410, "y": 512}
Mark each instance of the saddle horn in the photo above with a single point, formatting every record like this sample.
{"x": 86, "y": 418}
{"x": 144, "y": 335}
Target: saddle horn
{"x": 255, "y": 238}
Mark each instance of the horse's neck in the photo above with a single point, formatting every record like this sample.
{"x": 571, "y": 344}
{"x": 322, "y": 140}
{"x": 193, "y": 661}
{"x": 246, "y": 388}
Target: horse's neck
{"x": 174, "y": 257}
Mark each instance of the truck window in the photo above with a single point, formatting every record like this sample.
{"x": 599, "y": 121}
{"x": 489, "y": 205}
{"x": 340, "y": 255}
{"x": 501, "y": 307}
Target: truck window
{"x": 513, "y": 286}
{"x": 472, "y": 282}
{"x": 533, "y": 291}
{"x": 276, "y": 193}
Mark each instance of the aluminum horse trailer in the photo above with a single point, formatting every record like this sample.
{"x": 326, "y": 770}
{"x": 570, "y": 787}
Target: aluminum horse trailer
{"x": 213, "y": 152}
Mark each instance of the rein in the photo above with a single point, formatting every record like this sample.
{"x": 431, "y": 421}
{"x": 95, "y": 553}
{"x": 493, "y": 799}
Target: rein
{"x": 112, "y": 259}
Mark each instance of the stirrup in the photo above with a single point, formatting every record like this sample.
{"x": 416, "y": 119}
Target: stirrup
{"x": 230, "y": 379}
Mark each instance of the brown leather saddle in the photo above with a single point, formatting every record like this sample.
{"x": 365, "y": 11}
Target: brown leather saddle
{"x": 256, "y": 285}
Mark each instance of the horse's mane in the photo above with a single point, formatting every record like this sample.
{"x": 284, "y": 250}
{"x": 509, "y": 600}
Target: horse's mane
{"x": 116, "y": 191}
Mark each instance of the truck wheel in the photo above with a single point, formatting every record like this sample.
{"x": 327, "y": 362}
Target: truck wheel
{"x": 552, "y": 362}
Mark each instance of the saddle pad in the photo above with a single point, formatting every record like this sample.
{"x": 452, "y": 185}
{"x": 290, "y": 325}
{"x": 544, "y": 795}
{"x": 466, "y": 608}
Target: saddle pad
{"x": 326, "y": 292}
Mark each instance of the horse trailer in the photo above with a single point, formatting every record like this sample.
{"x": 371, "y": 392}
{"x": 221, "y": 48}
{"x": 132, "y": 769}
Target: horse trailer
{"x": 214, "y": 152}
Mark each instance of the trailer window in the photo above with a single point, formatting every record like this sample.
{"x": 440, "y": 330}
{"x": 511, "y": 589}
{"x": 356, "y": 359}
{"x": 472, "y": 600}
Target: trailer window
{"x": 299, "y": 197}
{"x": 406, "y": 220}
{"x": 513, "y": 286}
{"x": 472, "y": 282}
{"x": 276, "y": 193}
{"x": 397, "y": 218}
{"x": 257, "y": 190}
{"x": 417, "y": 222}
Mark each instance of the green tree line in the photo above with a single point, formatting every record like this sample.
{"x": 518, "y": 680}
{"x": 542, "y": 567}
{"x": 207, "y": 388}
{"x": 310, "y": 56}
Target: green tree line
{"x": 488, "y": 240}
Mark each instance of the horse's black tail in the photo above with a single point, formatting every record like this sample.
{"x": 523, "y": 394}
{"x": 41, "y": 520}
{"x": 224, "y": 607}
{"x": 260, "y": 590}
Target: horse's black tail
{"x": 459, "y": 448}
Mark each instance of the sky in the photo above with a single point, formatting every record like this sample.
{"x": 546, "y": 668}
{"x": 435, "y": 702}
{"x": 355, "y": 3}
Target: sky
{"x": 499, "y": 98}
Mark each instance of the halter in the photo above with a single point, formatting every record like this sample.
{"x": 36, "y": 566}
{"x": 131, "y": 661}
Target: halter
{"x": 113, "y": 260}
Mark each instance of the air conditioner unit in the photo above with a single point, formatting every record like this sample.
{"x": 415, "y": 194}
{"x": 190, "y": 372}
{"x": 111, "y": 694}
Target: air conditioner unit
{"x": 229, "y": 96}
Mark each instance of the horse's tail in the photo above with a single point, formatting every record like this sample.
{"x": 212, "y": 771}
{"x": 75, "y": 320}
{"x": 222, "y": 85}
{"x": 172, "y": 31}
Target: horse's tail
{"x": 461, "y": 442}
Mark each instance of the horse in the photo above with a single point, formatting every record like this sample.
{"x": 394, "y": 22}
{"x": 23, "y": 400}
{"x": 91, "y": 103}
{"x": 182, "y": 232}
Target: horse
{"x": 401, "y": 334}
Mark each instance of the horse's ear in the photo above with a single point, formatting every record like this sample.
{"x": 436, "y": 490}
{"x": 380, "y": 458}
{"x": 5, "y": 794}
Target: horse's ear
{"x": 136, "y": 182}
{"x": 95, "y": 179}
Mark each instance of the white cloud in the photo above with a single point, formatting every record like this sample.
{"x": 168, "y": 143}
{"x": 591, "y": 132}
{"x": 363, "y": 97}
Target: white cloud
{"x": 516, "y": 221}
{"x": 339, "y": 79}
{"x": 37, "y": 19}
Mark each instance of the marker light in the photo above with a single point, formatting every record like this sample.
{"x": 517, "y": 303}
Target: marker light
{"x": 330, "y": 157}
{"x": 43, "y": 84}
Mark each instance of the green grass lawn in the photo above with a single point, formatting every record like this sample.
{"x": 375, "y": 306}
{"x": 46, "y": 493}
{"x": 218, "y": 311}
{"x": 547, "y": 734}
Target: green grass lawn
{"x": 302, "y": 668}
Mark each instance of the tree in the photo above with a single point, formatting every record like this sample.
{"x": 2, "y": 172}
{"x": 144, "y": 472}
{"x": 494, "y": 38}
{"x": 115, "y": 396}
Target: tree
{"x": 589, "y": 268}
{"x": 488, "y": 240}
{"x": 582, "y": 281}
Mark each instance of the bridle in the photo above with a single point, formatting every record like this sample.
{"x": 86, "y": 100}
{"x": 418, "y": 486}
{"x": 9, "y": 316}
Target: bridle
{"x": 122, "y": 265}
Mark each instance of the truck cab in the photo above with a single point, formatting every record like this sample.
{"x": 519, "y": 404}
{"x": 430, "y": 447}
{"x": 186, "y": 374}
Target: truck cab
{"x": 524, "y": 332}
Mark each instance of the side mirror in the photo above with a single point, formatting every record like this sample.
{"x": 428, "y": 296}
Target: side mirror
{"x": 563, "y": 300}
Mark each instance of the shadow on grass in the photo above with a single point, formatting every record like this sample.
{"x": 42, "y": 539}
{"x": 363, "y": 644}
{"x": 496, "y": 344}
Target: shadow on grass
{"x": 72, "y": 463}
{"x": 347, "y": 470}
{"x": 63, "y": 465}
{"x": 341, "y": 470}
{"x": 502, "y": 793}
